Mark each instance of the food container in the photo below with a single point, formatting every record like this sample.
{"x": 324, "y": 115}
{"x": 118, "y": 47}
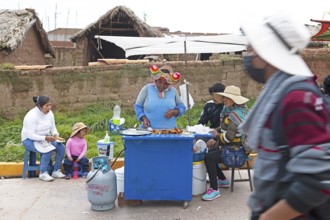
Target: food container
{"x": 114, "y": 127}
{"x": 199, "y": 156}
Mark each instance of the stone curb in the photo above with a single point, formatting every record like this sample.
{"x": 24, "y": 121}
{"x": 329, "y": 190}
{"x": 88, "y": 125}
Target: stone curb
{"x": 13, "y": 169}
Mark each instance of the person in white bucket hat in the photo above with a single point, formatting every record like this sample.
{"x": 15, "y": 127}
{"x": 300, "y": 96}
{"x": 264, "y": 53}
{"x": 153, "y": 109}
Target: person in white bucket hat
{"x": 288, "y": 126}
{"x": 233, "y": 93}
{"x": 227, "y": 134}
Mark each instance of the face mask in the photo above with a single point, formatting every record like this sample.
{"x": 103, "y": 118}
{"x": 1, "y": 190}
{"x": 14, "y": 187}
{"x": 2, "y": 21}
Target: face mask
{"x": 257, "y": 75}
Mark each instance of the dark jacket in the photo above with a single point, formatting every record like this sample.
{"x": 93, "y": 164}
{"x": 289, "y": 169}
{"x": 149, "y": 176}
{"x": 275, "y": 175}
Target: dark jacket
{"x": 211, "y": 113}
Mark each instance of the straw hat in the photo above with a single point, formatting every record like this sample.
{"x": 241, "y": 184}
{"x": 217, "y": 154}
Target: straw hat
{"x": 166, "y": 72}
{"x": 234, "y": 93}
{"x": 77, "y": 127}
{"x": 278, "y": 39}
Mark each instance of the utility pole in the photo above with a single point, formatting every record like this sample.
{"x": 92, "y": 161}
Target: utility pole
{"x": 76, "y": 19}
{"x": 67, "y": 19}
{"x": 48, "y": 23}
{"x": 55, "y": 16}
{"x": 55, "y": 22}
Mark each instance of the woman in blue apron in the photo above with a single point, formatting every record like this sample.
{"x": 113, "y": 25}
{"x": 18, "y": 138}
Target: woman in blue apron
{"x": 159, "y": 104}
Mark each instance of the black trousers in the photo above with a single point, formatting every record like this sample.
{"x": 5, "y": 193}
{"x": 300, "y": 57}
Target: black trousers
{"x": 68, "y": 165}
{"x": 212, "y": 162}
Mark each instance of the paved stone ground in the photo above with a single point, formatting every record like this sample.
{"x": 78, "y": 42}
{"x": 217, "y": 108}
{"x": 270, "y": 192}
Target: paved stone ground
{"x": 67, "y": 199}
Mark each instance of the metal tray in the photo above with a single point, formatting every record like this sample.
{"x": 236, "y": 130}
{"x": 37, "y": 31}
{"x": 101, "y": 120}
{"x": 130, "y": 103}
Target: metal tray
{"x": 133, "y": 132}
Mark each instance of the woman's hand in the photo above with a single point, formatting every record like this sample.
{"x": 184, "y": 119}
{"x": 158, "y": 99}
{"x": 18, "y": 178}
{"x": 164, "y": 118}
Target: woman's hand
{"x": 146, "y": 122}
{"x": 214, "y": 132}
{"x": 172, "y": 112}
{"x": 78, "y": 159}
{"x": 210, "y": 143}
{"x": 50, "y": 139}
{"x": 70, "y": 158}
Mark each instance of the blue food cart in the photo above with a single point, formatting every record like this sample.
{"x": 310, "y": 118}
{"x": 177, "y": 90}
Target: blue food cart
{"x": 158, "y": 167}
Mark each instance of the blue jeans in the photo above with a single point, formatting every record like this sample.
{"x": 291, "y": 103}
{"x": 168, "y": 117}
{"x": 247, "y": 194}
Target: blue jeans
{"x": 44, "y": 161}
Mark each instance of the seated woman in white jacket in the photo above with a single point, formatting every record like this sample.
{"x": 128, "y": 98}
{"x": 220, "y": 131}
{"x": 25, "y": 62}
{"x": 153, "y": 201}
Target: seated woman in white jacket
{"x": 39, "y": 134}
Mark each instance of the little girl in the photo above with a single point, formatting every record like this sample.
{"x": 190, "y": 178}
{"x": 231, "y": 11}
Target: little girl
{"x": 76, "y": 148}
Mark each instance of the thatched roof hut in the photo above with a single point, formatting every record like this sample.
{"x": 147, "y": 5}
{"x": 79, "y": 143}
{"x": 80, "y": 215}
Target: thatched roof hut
{"x": 119, "y": 21}
{"x": 15, "y": 28}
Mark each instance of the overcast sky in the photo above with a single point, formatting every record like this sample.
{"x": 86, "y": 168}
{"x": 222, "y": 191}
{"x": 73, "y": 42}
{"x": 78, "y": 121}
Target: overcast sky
{"x": 214, "y": 16}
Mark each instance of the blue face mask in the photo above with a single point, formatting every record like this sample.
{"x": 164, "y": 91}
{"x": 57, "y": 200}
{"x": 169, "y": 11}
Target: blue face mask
{"x": 256, "y": 74}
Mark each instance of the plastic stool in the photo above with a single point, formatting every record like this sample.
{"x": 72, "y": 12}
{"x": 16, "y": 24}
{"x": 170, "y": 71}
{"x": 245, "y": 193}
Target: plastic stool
{"x": 249, "y": 179}
{"x": 31, "y": 166}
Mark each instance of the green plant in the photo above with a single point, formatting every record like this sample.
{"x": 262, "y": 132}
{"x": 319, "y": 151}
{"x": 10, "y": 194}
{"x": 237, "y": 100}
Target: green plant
{"x": 250, "y": 103}
{"x": 12, "y": 152}
{"x": 95, "y": 116}
{"x": 7, "y": 66}
{"x": 11, "y": 134}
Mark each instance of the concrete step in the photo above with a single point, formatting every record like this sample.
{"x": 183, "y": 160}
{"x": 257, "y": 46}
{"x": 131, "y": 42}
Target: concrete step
{"x": 13, "y": 169}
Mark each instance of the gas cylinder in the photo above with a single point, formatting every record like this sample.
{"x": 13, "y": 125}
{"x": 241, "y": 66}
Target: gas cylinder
{"x": 101, "y": 184}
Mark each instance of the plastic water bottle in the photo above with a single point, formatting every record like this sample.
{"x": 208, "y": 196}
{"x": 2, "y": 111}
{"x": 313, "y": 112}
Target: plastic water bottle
{"x": 75, "y": 170}
{"x": 116, "y": 112}
{"x": 116, "y": 115}
{"x": 106, "y": 137}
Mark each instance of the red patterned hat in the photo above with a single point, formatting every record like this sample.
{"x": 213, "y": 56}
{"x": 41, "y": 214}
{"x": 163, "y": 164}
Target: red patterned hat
{"x": 166, "y": 72}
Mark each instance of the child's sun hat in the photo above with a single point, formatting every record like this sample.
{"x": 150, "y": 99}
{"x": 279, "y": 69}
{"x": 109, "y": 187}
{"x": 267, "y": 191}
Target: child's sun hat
{"x": 77, "y": 127}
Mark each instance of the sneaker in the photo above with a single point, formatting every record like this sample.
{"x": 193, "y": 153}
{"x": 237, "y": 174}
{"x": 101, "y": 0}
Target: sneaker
{"x": 84, "y": 175}
{"x": 45, "y": 177}
{"x": 223, "y": 183}
{"x": 211, "y": 194}
{"x": 58, "y": 174}
{"x": 68, "y": 176}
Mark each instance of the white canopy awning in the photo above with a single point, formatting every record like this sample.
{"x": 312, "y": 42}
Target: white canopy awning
{"x": 176, "y": 45}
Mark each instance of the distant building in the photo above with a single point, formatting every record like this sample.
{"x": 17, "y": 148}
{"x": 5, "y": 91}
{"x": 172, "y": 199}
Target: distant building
{"x": 60, "y": 37}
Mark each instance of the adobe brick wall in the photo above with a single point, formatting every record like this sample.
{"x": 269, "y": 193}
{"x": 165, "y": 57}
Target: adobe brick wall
{"x": 29, "y": 53}
{"x": 64, "y": 57}
{"x": 74, "y": 87}
{"x": 319, "y": 62}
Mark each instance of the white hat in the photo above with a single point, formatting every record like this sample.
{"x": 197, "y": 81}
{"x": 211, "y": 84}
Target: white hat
{"x": 277, "y": 39}
{"x": 234, "y": 93}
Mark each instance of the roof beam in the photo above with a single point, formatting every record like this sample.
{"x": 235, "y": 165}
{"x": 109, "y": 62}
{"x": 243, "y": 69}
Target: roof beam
{"x": 117, "y": 29}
